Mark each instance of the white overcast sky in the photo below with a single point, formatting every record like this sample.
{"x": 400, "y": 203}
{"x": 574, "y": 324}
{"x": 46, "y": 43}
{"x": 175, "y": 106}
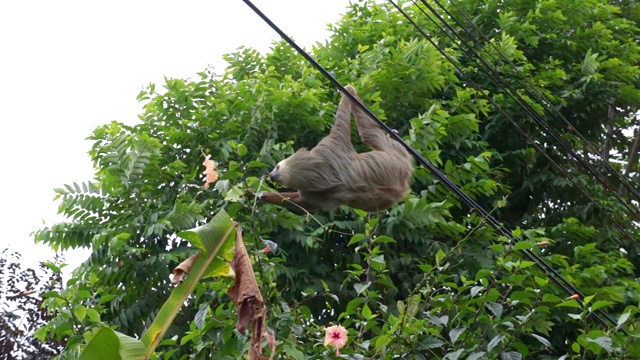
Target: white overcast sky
{"x": 69, "y": 66}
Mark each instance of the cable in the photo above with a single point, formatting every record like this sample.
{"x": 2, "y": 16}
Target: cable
{"x": 546, "y": 268}
{"x": 516, "y": 126}
{"x": 511, "y": 92}
{"x": 541, "y": 262}
{"x": 546, "y": 103}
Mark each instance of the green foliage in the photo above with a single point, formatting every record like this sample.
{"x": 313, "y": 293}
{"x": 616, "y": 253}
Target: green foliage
{"x": 428, "y": 278}
{"x": 214, "y": 238}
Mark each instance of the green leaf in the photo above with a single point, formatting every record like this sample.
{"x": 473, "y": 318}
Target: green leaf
{"x": 497, "y": 247}
{"x": 383, "y": 239}
{"x": 400, "y": 306}
{"x": 439, "y": 256}
{"x": 519, "y": 295}
{"x": 199, "y": 319}
{"x": 600, "y": 304}
{"x": 425, "y": 267}
{"x": 431, "y": 342}
{"x": 220, "y": 231}
{"x": 587, "y": 299}
{"x": 475, "y": 290}
{"x": 526, "y": 264}
{"x": 495, "y": 308}
{"x": 541, "y": 281}
{"x": 107, "y": 344}
{"x": 522, "y": 245}
{"x": 325, "y": 287}
{"x": 360, "y": 287}
{"x": 543, "y": 340}
{"x": 234, "y": 194}
{"x": 51, "y": 294}
{"x": 604, "y": 342}
{"x": 510, "y": 355}
{"x": 477, "y": 355}
{"x": 575, "y": 347}
{"x": 256, "y": 164}
{"x": 52, "y": 266}
{"x": 590, "y": 63}
{"x": 453, "y": 355}
{"x": 623, "y": 319}
{"x": 291, "y": 351}
{"x": 104, "y": 346}
{"x": 495, "y": 341}
{"x": 80, "y": 312}
{"x": 93, "y": 315}
{"x": 352, "y": 306}
{"x": 356, "y": 239}
{"x": 455, "y": 333}
{"x": 366, "y": 313}
{"x": 438, "y": 320}
{"x": 106, "y": 298}
{"x": 207, "y": 237}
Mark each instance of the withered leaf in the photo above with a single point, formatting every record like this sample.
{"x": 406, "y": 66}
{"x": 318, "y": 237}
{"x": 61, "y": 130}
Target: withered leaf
{"x": 251, "y": 309}
{"x": 210, "y": 171}
{"x": 181, "y": 271}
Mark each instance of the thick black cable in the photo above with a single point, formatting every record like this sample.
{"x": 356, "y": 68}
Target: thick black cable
{"x": 513, "y": 94}
{"x": 541, "y": 98}
{"x": 546, "y": 268}
{"x": 558, "y": 279}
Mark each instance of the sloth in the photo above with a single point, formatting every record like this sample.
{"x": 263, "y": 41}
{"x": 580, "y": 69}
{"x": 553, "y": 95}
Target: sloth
{"x": 333, "y": 173}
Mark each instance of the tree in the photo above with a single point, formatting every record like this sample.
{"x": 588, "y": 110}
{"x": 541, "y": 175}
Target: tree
{"x": 20, "y": 312}
{"x": 429, "y": 278}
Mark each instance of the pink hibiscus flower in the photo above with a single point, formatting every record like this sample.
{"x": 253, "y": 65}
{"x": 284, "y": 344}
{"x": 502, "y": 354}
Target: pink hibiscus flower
{"x": 335, "y": 336}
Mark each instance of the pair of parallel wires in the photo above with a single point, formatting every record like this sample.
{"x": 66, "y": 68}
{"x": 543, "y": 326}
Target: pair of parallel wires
{"x": 571, "y": 290}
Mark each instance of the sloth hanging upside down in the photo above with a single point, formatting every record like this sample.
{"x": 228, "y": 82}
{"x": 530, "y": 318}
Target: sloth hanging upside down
{"x": 333, "y": 173}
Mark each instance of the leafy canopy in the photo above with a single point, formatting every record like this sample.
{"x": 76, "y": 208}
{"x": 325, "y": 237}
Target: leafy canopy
{"x": 426, "y": 279}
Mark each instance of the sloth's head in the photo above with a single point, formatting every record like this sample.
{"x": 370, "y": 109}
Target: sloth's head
{"x": 277, "y": 173}
{"x": 296, "y": 170}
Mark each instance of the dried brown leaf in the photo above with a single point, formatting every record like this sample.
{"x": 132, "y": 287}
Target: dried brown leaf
{"x": 245, "y": 293}
{"x": 210, "y": 171}
{"x": 181, "y": 271}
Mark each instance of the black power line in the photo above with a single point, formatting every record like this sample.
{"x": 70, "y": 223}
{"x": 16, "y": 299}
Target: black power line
{"x": 513, "y": 94}
{"x": 540, "y": 97}
{"x": 524, "y": 134}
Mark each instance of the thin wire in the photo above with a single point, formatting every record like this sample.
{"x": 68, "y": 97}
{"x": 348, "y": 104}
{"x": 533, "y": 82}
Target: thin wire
{"x": 546, "y": 268}
{"x": 546, "y": 103}
{"x": 606, "y": 315}
{"x": 511, "y": 92}
{"x": 515, "y": 125}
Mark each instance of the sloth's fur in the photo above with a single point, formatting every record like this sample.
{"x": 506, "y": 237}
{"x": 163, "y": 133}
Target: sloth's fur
{"x": 333, "y": 173}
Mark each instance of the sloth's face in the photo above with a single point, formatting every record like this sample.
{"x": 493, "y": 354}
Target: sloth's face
{"x": 276, "y": 174}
